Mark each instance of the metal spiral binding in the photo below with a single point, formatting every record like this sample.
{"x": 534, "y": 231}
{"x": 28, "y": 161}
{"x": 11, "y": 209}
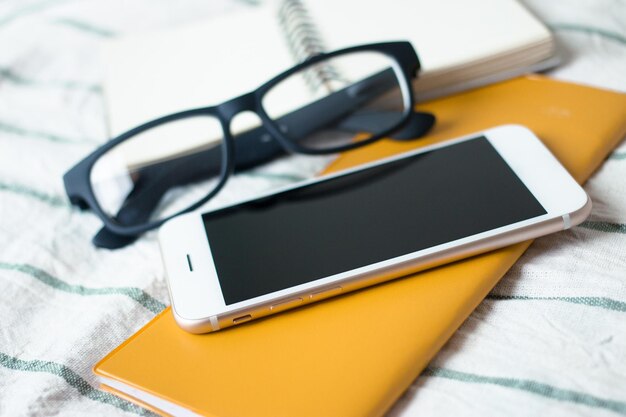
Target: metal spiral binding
{"x": 305, "y": 41}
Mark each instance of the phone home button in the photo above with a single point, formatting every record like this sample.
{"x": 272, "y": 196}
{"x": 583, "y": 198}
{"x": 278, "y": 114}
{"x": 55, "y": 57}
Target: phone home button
{"x": 286, "y": 304}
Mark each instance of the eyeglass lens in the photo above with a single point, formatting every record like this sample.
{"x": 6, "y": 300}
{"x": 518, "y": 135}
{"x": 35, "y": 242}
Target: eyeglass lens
{"x": 352, "y": 98}
{"x": 160, "y": 171}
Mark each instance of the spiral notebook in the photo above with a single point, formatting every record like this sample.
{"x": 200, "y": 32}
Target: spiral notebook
{"x": 461, "y": 44}
{"x": 354, "y": 355}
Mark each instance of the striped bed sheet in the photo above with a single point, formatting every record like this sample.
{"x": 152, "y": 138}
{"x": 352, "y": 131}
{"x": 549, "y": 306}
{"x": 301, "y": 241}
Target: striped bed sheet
{"x": 549, "y": 339}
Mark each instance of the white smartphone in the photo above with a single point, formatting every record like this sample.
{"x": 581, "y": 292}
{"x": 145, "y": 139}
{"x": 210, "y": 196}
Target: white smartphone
{"x": 366, "y": 225}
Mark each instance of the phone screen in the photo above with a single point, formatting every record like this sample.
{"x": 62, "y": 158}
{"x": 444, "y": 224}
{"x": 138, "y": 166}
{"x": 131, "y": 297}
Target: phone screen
{"x": 355, "y": 220}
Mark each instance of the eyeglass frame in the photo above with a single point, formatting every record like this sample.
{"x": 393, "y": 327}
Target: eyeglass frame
{"x": 77, "y": 180}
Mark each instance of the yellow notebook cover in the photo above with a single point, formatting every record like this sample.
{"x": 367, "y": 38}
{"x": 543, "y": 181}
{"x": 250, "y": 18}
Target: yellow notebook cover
{"x": 354, "y": 355}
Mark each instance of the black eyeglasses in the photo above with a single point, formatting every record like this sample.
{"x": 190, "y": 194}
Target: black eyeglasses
{"x": 330, "y": 103}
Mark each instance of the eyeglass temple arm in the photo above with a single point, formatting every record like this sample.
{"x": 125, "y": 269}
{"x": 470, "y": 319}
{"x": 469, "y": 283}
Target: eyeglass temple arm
{"x": 137, "y": 208}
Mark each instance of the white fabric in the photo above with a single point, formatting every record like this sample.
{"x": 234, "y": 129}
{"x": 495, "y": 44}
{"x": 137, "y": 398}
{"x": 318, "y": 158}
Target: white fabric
{"x": 551, "y": 339}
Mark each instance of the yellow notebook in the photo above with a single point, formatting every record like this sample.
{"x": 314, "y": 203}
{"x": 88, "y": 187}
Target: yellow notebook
{"x": 354, "y": 355}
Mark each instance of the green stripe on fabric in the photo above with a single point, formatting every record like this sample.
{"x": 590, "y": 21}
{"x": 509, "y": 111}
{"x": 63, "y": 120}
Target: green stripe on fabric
{"x": 72, "y": 379}
{"x": 532, "y": 387}
{"x": 19, "y": 131}
{"x": 618, "y": 155}
{"x": 7, "y": 75}
{"x": 136, "y": 294}
{"x": 85, "y": 27}
{"x": 604, "y": 226}
{"x": 602, "y": 302}
{"x": 274, "y": 176}
{"x": 29, "y": 9}
{"x": 590, "y": 30}
{"x": 52, "y": 200}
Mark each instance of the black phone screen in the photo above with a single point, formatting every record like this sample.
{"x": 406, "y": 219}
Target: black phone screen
{"x": 355, "y": 220}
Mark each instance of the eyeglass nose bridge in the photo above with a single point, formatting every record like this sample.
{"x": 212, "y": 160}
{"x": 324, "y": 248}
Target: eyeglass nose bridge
{"x": 242, "y": 104}
{"x": 229, "y": 109}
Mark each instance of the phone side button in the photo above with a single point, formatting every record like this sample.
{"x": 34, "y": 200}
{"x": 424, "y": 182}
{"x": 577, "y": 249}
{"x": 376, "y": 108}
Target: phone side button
{"x": 242, "y": 319}
{"x": 285, "y": 305}
{"x": 320, "y": 295}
